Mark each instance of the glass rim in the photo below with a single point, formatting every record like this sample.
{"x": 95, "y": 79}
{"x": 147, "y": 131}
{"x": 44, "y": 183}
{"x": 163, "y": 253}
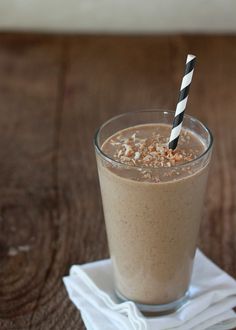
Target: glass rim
{"x": 112, "y": 160}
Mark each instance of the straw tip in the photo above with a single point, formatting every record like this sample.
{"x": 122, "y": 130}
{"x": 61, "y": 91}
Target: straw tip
{"x": 190, "y": 57}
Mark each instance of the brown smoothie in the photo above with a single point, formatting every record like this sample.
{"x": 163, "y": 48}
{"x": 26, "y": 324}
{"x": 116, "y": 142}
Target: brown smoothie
{"x": 152, "y": 210}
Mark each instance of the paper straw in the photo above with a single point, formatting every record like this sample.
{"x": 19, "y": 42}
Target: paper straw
{"x": 183, "y": 98}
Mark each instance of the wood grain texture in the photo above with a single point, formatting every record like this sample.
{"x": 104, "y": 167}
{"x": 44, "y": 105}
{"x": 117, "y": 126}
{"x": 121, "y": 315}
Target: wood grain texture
{"x": 55, "y": 91}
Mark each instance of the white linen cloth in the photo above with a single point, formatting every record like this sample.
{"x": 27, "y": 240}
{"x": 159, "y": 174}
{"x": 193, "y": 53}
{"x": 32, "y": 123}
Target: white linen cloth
{"x": 212, "y": 297}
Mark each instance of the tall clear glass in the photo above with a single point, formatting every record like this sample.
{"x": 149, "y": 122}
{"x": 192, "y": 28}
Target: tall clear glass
{"x": 152, "y": 228}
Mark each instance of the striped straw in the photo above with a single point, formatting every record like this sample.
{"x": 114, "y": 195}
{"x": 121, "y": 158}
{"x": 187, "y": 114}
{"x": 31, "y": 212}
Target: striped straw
{"x": 183, "y": 98}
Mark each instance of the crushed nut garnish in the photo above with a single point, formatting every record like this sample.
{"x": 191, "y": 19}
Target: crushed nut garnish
{"x": 149, "y": 149}
{"x": 148, "y": 152}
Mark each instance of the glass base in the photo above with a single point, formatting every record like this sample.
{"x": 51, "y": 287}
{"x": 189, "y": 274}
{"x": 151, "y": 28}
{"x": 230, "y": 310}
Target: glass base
{"x": 157, "y": 310}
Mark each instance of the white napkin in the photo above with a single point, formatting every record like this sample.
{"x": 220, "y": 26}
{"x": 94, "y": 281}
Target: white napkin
{"x": 212, "y": 297}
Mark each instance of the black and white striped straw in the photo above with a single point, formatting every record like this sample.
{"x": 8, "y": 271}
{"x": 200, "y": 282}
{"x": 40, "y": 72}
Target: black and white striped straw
{"x": 183, "y": 98}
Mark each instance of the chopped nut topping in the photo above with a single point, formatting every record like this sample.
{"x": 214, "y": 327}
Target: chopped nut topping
{"x": 128, "y": 150}
{"x": 148, "y": 148}
{"x": 137, "y": 155}
{"x": 149, "y": 152}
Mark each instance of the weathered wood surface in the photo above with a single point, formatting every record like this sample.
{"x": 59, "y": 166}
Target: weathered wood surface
{"x": 54, "y": 92}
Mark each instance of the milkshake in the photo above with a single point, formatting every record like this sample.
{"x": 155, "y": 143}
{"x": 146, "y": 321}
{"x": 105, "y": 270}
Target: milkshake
{"x": 152, "y": 200}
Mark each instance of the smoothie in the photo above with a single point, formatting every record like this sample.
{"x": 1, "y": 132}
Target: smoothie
{"x": 152, "y": 199}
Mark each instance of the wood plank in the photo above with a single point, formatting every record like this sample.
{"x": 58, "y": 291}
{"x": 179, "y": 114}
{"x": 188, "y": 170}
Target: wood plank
{"x": 30, "y": 70}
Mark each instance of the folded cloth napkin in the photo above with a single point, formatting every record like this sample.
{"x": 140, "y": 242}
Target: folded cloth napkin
{"x": 212, "y": 297}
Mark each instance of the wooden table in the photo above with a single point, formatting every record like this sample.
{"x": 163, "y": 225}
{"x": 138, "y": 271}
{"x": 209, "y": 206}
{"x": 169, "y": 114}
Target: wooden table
{"x": 54, "y": 92}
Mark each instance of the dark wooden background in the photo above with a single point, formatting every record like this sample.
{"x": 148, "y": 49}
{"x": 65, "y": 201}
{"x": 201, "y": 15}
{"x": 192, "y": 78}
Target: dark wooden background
{"x": 54, "y": 92}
